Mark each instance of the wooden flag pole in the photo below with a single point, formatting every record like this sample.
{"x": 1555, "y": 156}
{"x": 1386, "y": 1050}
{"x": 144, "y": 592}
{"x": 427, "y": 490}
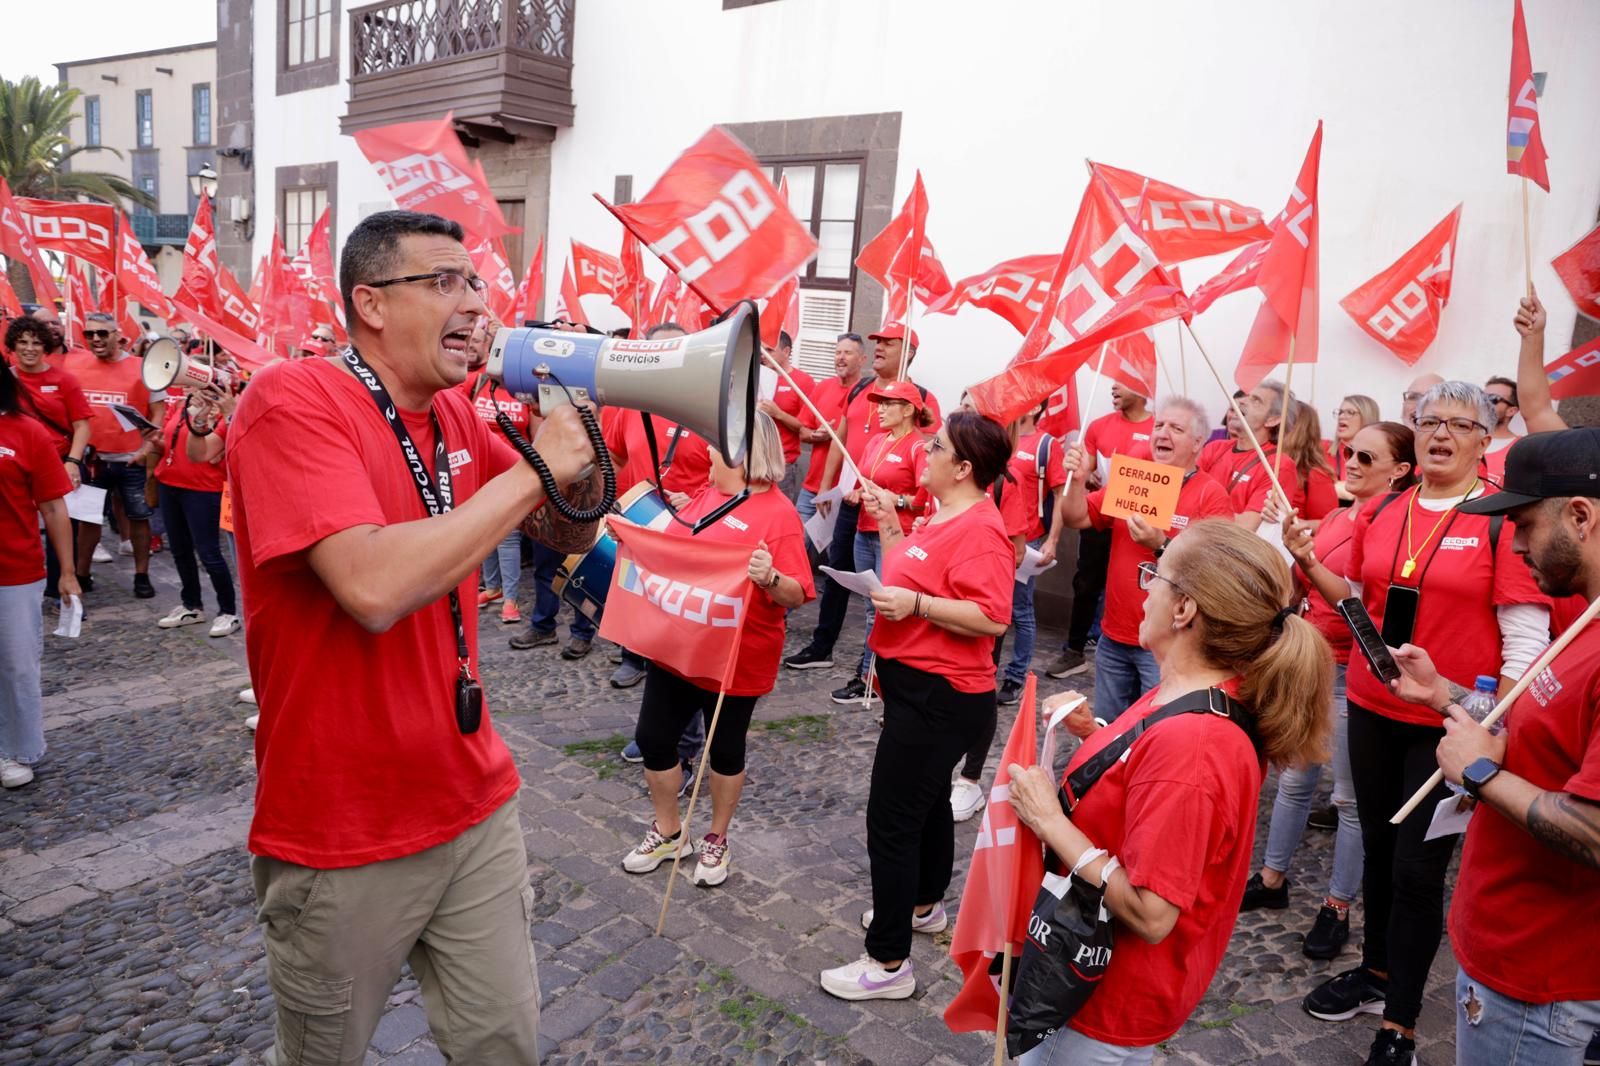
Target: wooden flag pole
{"x": 1000, "y": 1015}
{"x": 1538, "y": 667}
{"x": 1288, "y": 392}
{"x": 1527, "y": 239}
{"x": 700, "y": 773}
{"x": 905, "y": 342}
{"x": 843, "y": 451}
{"x": 1243, "y": 422}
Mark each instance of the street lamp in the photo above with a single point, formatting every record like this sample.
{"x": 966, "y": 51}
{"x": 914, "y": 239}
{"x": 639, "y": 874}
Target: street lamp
{"x": 204, "y": 182}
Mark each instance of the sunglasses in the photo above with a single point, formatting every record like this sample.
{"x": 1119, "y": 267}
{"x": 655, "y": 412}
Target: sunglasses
{"x": 1364, "y": 458}
{"x": 97, "y": 333}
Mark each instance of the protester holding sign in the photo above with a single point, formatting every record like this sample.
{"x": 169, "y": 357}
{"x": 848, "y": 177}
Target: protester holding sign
{"x": 1176, "y": 817}
{"x": 946, "y": 597}
{"x": 781, "y": 573}
{"x": 1123, "y": 669}
{"x": 1432, "y": 575}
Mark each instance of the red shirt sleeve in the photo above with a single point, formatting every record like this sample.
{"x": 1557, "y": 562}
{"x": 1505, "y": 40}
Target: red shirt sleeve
{"x": 1513, "y": 581}
{"x": 789, "y": 557}
{"x": 1055, "y": 469}
{"x": 986, "y": 579}
{"x": 1586, "y": 782}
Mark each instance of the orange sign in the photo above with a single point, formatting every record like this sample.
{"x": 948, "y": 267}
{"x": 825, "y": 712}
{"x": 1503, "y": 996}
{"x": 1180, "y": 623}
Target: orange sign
{"x": 1141, "y": 487}
{"x": 225, "y": 522}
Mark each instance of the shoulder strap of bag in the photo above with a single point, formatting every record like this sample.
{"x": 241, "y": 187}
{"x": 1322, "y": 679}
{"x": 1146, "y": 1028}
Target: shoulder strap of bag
{"x": 855, "y": 390}
{"x": 27, "y": 398}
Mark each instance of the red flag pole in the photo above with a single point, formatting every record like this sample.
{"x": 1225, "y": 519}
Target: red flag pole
{"x": 1000, "y": 1014}
{"x": 715, "y": 309}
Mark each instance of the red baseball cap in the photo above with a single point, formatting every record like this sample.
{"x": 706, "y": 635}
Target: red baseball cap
{"x": 316, "y": 347}
{"x": 895, "y": 331}
{"x": 898, "y": 390}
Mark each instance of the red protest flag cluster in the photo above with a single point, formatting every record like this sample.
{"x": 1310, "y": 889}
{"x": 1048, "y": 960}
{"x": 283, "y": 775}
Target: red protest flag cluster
{"x": 1579, "y": 270}
{"x": 137, "y": 277}
{"x": 1524, "y": 141}
{"x": 1015, "y": 290}
{"x": 632, "y": 293}
{"x": 1400, "y": 307}
{"x": 594, "y": 272}
{"x": 314, "y": 264}
{"x": 16, "y": 241}
{"x": 427, "y": 169}
{"x": 1287, "y": 278}
{"x": 83, "y": 231}
{"x": 531, "y": 291}
{"x": 902, "y": 259}
{"x": 287, "y": 309}
{"x": 489, "y": 260}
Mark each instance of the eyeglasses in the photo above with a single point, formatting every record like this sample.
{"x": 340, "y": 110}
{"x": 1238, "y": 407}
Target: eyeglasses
{"x": 1500, "y": 401}
{"x": 1346, "y": 412}
{"x": 1411, "y": 397}
{"x": 1458, "y": 427}
{"x": 445, "y": 282}
{"x": 1148, "y": 575}
{"x": 1363, "y": 458}
{"x": 937, "y": 445}
{"x": 97, "y": 333}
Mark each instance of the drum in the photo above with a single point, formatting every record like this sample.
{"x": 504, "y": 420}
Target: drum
{"x": 583, "y": 580}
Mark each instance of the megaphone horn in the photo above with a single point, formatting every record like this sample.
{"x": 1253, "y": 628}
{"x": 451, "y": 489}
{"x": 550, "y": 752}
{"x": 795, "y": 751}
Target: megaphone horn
{"x": 166, "y": 365}
{"x": 705, "y": 382}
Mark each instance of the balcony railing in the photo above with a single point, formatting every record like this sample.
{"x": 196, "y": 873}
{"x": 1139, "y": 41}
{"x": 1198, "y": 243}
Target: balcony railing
{"x": 155, "y": 230}
{"x": 497, "y": 63}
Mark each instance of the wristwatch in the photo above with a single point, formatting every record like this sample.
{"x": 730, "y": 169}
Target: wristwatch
{"x": 1477, "y": 774}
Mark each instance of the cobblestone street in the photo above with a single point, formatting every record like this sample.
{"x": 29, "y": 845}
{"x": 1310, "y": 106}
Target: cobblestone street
{"x": 127, "y": 930}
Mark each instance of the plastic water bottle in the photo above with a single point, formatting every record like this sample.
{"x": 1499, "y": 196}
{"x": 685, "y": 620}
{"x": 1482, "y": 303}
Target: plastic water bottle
{"x": 1478, "y": 703}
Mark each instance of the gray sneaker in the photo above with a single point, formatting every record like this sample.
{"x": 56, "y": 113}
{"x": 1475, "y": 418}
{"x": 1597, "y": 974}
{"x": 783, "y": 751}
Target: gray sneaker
{"x": 627, "y": 675}
{"x": 1069, "y": 662}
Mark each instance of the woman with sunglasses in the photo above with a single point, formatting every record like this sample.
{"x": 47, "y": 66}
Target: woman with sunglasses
{"x": 946, "y": 597}
{"x": 1382, "y": 459}
{"x": 1449, "y": 583}
{"x": 1168, "y": 828}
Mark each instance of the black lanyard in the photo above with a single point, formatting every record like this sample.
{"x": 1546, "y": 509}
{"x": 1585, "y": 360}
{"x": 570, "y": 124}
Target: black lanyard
{"x": 438, "y": 499}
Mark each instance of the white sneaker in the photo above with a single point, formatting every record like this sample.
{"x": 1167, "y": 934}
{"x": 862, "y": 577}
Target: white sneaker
{"x": 712, "y": 869}
{"x": 101, "y": 555}
{"x": 125, "y": 548}
{"x": 224, "y": 624}
{"x": 251, "y": 722}
{"x": 181, "y": 616}
{"x": 653, "y": 850}
{"x": 14, "y": 774}
{"x": 247, "y": 695}
{"x": 866, "y": 979}
{"x": 935, "y": 921}
{"x": 966, "y": 799}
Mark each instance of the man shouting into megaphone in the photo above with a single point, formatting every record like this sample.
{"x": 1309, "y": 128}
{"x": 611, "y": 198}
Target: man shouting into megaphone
{"x": 366, "y": 491}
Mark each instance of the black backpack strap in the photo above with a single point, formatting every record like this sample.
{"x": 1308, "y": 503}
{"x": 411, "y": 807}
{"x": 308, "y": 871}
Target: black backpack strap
{"x": 1495, "y": 522}
{"x": 856, "y": 389}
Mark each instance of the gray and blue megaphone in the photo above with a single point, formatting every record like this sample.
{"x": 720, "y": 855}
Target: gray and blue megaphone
{"x": 705, "y": 382}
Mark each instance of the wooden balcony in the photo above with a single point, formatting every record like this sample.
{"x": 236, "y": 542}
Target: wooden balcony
{"x": 504, "y": 67}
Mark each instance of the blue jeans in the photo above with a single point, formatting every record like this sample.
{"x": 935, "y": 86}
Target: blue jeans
{"x": 192, "y": 517}
{"x": 1296, "y": 788}
{"x": 21, "y": 652}
{"x": 126, "y": 482}
{"x": 1122, "y": 673}
{"x": 805, "y": 503}
{"x": 1068, "y": 1047}
{"x": 546, "y": 604}
{"x": 503, "y": 568}
{"x": 869, "y": 556}
{"x": 1509, "y": 1032}
{"x": 1023, "y": 627}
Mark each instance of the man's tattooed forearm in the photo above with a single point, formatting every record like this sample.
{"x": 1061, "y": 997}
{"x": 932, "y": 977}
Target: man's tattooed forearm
{"x": 1567, "y": 825}
{"x": 1457, "y": 693}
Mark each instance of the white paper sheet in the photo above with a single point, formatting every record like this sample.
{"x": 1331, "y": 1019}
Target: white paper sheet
{"x": 820, "y": 526}
{"x": 1047, "y": 748}
{"x": 768, "y": 387}
{"x": 71, "y": 618}
{"x": 862, "y": 583}
{"x": 1447, "y": 819}
{"x": 1033, "y": 564}
{"x": 86, "y": 504}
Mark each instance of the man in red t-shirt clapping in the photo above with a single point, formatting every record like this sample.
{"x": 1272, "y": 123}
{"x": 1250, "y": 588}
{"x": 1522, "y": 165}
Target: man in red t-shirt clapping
{"x": 366, "y": 491}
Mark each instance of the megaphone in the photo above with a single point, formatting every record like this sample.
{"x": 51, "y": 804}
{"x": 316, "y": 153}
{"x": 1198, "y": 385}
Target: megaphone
{"x": 705, "y": 382}
{"x": 166, "y": 366}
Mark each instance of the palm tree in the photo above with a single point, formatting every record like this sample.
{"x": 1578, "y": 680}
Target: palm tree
{"x": 35, "y": 153}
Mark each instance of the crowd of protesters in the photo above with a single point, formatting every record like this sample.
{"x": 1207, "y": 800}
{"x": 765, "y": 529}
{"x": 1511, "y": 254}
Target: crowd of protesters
{"x": 1467, "y": 546}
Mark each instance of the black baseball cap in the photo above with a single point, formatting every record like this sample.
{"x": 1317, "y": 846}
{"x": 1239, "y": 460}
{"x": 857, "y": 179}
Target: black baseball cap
{"x": 1545, "y": 466}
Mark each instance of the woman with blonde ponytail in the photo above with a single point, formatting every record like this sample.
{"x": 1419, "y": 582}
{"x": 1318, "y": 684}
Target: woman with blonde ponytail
{"x": 1176, "y": 816}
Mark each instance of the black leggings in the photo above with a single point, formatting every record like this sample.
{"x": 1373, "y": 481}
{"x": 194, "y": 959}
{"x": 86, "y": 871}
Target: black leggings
{"x": 1088, "y": 582}
{"x": 670, "y": 702}
{"x": 927, "y": 725}
{"x": 1402, "y": 884}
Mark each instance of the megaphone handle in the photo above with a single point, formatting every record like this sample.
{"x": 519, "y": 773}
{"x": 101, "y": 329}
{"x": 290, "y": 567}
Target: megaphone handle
{"x": 552, "y": 491}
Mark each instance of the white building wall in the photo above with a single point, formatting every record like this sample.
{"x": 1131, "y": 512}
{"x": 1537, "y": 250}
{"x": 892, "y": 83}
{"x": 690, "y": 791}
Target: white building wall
{"x": 1003, "y": 101}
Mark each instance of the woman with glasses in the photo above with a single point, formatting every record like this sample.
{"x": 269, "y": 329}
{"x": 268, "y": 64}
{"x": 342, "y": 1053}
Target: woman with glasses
{"x": 1353, "y": 412}
{"x": 1382, "y": 459}
{"x": 1449, "y": 583}
{"x": 946, "y": 597}
{"x": 1168, "y": 828}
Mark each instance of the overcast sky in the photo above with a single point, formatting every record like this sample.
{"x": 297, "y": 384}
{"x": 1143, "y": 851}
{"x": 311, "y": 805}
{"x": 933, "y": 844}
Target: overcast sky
{"x": 39, "y": 35}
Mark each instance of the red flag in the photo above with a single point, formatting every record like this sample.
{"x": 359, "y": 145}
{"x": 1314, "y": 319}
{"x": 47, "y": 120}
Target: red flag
{"x": 1131, "y": 362}
{"x": 286, "y": 306}
{"x": 715, "y": 218}
{"x": 1579, "y": 270}
{"x": 314, "y": 263}
{"x": 10, "y": 306}
{"x": 570, "y": 307}
{"x": 783, "y": 306}
{"x": 16, "y": 241}
{"x": 1107, "y": 283}
{"x": 1288, "y": 280}
{"x": 1242, "y": 272}
{"x": 130, "y": 326}
{"x": 1400, "y": 307}
{"x": 531, "y": 291}
{"x": 631, "y": 295}
{"x": 691, "y": 312}
{"x": 1061, "y": 411}
{"x": 86, "y": 231}
{"x": 85, "y": 281}
{"x": 1015, "y": 290}
{"x": 902, "y": 255}
{"x": 198, "y": 285}
{"x": 1181, "y": 225}
{"x": 426, "y": 169}
{"x": 595, "y": 271}
{"x": 248, "y": 353}
{"x": 1524, "y": 141}
{"x": 1577, "y": 373}
{"x": 678, "y": 603}
{"x": 489, "y": 260}
{"x": 1002, "y": 882}
{"x": 137, "y": 277}
{"x": 666, "y": 300}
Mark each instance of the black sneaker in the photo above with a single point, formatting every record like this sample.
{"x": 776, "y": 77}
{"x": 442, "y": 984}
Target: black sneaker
{"x": 1010, "y": 692}
{"x": 86, "y": 582}
{"x": 809, "y": 657}
{"x": 854, "y": 692}
{"x": 1392, "y": 1048}
{"x": 1069, "y": 662}
{"x": 1258, "y": 895}
{"x": 576, "y": 649}
{"x": 533, "y": 638}
{"x": 142, "y": 587}
{"x": 1357, "y": 991}
{"x": 1328, "y": 934}
{"x": 1324, "y": 818}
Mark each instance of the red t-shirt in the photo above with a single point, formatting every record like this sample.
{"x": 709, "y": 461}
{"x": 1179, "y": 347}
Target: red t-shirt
{"x": 1199, "y": 498}
{"x": 1494, "y": 463}
{"x": 1248, "y": 484}
{"x": 1331, "y": 542}
{"x": 1461, "y": 588}
{"x": 789, "y": 403}
{"x": 56, "y": 395}
{"x": 895, "y": 465}
{"x": 105, "y": 383}
{"x": 1179, "y": 812}
{"x": 1113, "y": 434}
{"x": 1318, "y": 496}
{"x": 1016, "y": 508}
{"x": 522, "y": 416}
{"x": 176, "y": 468}
{"x": 765, "y": 516}
{"x": 1524, "y": 919}
{"x": 358, "y": 756}
{"x": 1024, "y": 466}
{"x": 967, "y": 557}
{"x": 861, "y": 419}
{"x": 829, "y": 396}
{"x": 30, "y": 474}
{"x": 630, "y": 451}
